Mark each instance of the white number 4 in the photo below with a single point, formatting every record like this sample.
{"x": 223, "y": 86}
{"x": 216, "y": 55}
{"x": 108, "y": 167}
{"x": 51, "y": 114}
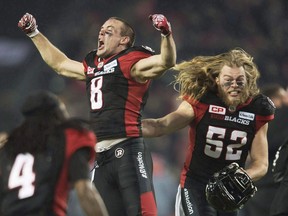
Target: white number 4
{"x": 22, "y": 175}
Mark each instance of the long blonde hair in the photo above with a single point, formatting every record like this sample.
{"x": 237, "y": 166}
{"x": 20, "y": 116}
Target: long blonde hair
{"x": 198, "y": 75}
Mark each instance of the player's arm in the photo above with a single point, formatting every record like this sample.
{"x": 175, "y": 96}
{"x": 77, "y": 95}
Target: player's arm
{"x": 258, "y": 164}
{"x": 172, "y": 122}
{"x": 56, "y": 59}
{"x": 88, "y": 196}
{"x": 154, "y": 66}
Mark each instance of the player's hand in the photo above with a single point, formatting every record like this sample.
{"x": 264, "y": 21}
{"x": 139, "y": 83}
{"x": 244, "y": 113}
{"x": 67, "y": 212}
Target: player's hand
{"x": 161, "y": 23}
{"x": 28, "y": 25}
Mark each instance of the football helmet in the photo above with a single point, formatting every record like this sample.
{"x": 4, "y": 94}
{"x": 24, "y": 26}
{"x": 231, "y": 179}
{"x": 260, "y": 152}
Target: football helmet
{"x": 230, "y": 188}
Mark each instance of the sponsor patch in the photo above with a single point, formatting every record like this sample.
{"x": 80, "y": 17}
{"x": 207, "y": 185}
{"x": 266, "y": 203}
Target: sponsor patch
{"x": 217, "y": 109}
{"x": 110, "y": 65}
{"x": 246, "y": 115}
{"x": 141, "y": 165}
{"x": 90, "y": 70}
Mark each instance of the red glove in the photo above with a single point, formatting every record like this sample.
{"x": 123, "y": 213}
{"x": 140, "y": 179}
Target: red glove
{"x": 161, "y": 23}
{"x": 28, "y": 24}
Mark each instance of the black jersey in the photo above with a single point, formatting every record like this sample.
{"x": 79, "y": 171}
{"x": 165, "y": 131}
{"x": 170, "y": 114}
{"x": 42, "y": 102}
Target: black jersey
{"x": 37, "y": 184}
{"x": 219, "y": 137}
{"x": 116, "y": 100}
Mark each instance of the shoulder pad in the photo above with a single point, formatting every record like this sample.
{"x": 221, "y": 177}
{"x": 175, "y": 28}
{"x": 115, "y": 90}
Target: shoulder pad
{"x": 264, "y": 105}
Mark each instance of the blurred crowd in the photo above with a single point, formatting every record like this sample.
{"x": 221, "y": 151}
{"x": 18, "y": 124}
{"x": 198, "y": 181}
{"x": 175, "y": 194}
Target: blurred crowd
{"x": 199, "y": 27}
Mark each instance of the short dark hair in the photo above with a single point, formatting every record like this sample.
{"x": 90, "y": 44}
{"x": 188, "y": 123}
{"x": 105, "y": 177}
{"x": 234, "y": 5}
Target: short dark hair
{"x": 128, "y": 30}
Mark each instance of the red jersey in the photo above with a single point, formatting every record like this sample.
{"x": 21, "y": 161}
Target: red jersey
{"x": 219, "y": 137}
{"x": 37, "y": 184}
{"x": 116, "y": 99}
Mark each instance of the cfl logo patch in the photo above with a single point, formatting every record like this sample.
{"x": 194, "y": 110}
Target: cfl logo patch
{"x": 119, "y": 152}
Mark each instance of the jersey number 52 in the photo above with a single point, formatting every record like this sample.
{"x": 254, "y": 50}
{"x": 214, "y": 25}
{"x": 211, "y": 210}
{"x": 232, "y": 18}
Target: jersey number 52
{"x": 214, "y": 147}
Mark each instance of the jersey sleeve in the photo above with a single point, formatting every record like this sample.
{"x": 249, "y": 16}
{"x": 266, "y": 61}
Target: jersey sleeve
{"x": 265, "y": 110}
{"x": 128, "y": 60}
{"x": 78, "y": 166}
{"x": 198, "y": 107}
{"x": 76, "y": 139}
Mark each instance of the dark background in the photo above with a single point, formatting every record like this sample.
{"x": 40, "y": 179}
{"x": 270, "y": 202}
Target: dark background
{"x": 199, "y": 27}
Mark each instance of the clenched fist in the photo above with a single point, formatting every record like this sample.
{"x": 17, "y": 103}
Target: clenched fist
{"x": 161, "y": 23}
{"x": 28, "y": 25}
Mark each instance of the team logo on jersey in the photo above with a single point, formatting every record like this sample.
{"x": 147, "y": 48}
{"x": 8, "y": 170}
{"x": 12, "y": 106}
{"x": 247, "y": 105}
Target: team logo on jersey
{"x": 246, "y": 115}
{"x": 119, "y": 152}
{"x": 217, "y": 109}
{"x": 90, "y": 70}
{"x": 100, "y": 65}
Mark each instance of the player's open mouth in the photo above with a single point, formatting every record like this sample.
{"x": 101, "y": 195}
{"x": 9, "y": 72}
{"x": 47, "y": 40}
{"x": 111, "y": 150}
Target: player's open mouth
{"x": 100, "y": 45}
{"x": 234, "y": 93}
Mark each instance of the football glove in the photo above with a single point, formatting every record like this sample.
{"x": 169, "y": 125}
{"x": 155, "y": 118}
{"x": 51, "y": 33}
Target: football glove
{"x": 230, "y": 188}
{"x": 161, "y": 23}
{"x": 28, "y": 25}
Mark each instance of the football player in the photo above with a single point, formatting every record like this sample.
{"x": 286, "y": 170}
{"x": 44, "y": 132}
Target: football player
{"x": 45, "y": 157}
{"x": 118, "y": 75}
{"x": 228, "y": 120}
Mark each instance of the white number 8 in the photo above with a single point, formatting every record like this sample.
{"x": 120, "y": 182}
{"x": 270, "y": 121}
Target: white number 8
{"x": 96, "y": 93}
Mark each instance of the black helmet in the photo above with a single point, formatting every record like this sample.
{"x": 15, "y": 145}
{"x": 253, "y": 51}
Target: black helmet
{"x": 230, "y": 188}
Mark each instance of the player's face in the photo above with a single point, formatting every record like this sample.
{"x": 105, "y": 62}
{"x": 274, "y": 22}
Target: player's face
{"x": 110, "y": 40}
{"x": 232, "y": 85}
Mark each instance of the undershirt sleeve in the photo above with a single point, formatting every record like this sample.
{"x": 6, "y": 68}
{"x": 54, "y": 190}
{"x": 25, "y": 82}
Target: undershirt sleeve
{"x": 79, "y": 165}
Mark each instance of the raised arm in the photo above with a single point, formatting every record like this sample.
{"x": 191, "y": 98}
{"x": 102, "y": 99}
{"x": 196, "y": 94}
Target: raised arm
{"x": 258, "y": 164}
{"x": 56, "y": 59}
{"x": 156, "y": 65}
{"x": 172, "y": 122}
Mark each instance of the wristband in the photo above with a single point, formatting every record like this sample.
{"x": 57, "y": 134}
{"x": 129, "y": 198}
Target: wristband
{"x": 33, "y": 34}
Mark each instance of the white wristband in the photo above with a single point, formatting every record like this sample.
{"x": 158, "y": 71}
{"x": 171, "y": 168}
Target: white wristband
{"x": 33, "y": 34}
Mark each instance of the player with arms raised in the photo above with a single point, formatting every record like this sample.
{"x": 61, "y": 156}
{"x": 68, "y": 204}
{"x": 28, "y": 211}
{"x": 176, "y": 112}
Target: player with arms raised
{"x": 117, "y": 76}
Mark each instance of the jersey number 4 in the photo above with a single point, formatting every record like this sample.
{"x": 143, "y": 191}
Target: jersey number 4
{"x": 215, "y": 145}
{"x": 22, "y": 175}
